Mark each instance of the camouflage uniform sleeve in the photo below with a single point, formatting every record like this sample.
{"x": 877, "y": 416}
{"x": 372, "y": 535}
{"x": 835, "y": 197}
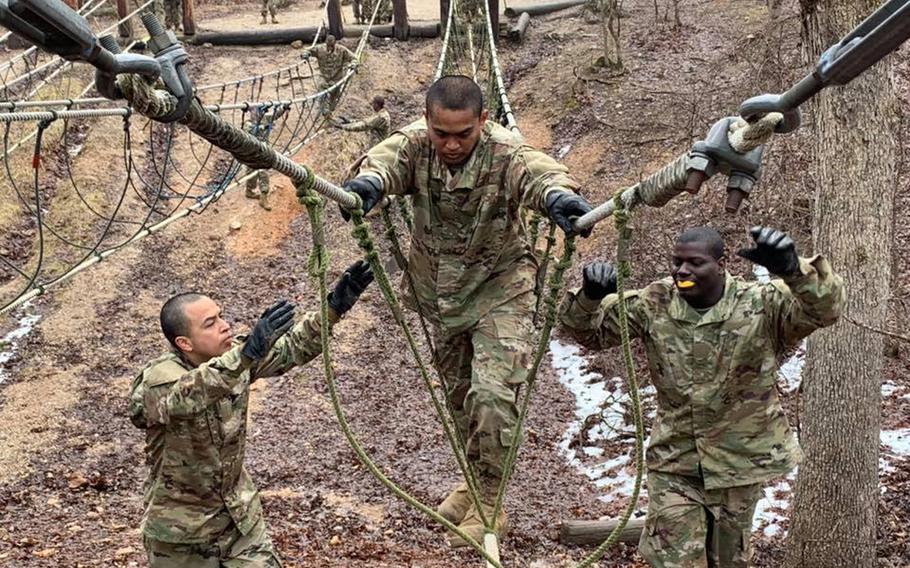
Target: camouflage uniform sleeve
{"x": 362, "y": 125}
{"x": 800, "y": 304}
{"x": 596, "y": 324}
{"x": 297, "y": 347}
{"x": 180, "y": 396}
{"x": 532, "y": 175}
{"x": 392, "y": 161}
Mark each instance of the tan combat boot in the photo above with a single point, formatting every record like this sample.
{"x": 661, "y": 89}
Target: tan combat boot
{"x": 264, "y": 200}
{"x": 274, "y": 20}
{"x": 251, "y": 192}
{"x": 264, "y": 20}
{"x": 473, "y": 526}
{"x": 456, "y": 505}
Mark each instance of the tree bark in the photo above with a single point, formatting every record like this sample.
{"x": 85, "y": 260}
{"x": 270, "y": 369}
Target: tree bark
{"x": 856, "y": 157}
{"x": 400, "y": 19}
{"x": 336, "y": 27}
{"x": 189, "y": 20}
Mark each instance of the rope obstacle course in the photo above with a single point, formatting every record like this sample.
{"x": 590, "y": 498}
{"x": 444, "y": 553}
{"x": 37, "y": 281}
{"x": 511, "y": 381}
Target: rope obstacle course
{"x": 733, "y": 147}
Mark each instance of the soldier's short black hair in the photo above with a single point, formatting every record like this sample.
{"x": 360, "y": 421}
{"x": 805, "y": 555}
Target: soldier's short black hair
{"x": 705, "y": 235}
{"x": 455, "y": 92}
{"x": 173, "y": 318}
{"x": 379, "y": 101}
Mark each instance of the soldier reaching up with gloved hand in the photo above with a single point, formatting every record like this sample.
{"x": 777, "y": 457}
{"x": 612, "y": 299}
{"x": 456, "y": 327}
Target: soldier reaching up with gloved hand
{"x": 472, "y": 266}
{"x": 201, "y": 507}
{"x": 714, "y": 344}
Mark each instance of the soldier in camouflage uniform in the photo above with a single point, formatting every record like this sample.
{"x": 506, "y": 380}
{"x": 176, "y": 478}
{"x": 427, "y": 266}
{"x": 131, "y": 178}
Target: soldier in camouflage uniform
{"x": 383, "y": 14}
{"x": 714, "y": 345}
{"x": 173, "y": 14}
{"x": 377, "y": 125}
{"x": 260, "y": 126}
{"x": 472, "y": 266}
{"x": 268, "y": 9}
{"x": 201, "y": 507}
{"x": 334, "y": 62}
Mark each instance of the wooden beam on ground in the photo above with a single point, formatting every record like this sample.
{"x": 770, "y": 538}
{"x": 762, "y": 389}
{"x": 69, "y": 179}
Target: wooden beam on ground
{"x": 189, "y": 21}
{"x": 421, "y": 30}
{"x": 336, "y": 27}
{"x": 540, "y": 9}
{"x": 124, "y": 29}
{"x": 255, "y": 36}
{"x": 494, "y": 17}
{"x": 595, "y": 532}
{"x": 517, "y": 32}
{"x": 400, "y": 19}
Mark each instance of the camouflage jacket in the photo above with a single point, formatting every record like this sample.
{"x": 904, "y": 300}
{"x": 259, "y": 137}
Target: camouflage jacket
{"x": 195, "y": 421}
{"x": 716, "y": 374}
{"x": 469, "y": 250}
{"x": 261, "y": 128}
{"x": 378, "y": 125}
{"x": 332, "y": 64}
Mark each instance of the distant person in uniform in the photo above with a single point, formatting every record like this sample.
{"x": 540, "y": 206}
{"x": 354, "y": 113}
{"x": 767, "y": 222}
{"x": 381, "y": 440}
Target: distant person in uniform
{"x": 377, "y": 124}
{"x": 334, "y": 62}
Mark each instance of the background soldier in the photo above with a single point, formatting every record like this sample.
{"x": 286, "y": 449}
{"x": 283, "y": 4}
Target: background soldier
{"x": 201, "y": 507}
{"x": 173, "y": 14}
{"x": 383, "y": 15}
{"x": 377, "y": 124}
{"x": 268, "y": 8}
{"x": 472, "y": 266}
{"x": 714, "y": 345}
{"x": 260, "y": 126}
{"x": 334, "y": 61}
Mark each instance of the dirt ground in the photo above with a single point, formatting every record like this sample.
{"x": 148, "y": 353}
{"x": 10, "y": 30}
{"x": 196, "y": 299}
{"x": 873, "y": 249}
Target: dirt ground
{"x": 71, "y": 464}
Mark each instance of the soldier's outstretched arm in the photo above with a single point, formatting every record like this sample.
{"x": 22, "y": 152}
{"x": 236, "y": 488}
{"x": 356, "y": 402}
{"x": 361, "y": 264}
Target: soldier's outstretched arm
{"x": 356, "y": 126}
{"x": 591, "y": 314}
{"x": 805, "y": 296}
{"x": 392, "y": 162}
{"x": 303, "y": 342}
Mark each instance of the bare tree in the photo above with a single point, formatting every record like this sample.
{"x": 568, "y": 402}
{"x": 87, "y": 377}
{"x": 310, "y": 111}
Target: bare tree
{"x": 856, "y": 157}
{"x": 611, "y": 27}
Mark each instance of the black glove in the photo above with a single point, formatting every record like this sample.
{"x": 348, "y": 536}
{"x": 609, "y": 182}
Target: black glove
{"x": 274, "y": 323}
{"x": 598, "y": 280}
{"x": 564, "y": 207}
{"x": 368, "y": 188}
{"x": 774, "y": 250}
{"x": 350, "y": 286}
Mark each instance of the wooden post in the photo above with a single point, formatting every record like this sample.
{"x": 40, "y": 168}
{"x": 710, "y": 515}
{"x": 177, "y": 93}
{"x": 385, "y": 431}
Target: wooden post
{"x": 125, "y": 29}
{"x": 494, "y": 17}
{"x": 443, "y": 15}
{"x": 400, "y": 19}
{"x": 518, "y": 31}
{"x": 336, "y": 28}
{"x": 595, "y": 532}
{"x": 491, "y": 546}
{"x": 189, "y": 22}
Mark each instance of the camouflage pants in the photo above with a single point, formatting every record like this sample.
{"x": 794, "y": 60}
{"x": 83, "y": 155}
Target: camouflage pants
{"x": 690, "y": 527}
{"x": 172, "y": 14}
{"x": 482, "y": 369}
{"x": 231, "y": 550}
{"x": 262, "y": 178}
{"x": 328, "y": 102}
{"x": 268, "y": 7}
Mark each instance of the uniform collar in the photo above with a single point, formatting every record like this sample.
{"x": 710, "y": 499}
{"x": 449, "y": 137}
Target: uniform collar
{"x": 680, "y": 309}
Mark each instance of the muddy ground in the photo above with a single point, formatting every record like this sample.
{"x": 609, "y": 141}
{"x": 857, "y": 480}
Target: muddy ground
{"x": 70, "y": 461}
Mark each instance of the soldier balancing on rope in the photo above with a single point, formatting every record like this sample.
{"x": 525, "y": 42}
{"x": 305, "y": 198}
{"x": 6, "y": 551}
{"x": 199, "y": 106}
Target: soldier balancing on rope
{"x": 334, "y": 62}
{"x": 377, "y": 124}
{"x": 201, "y": 507}
{"x": 714, "y": 345}
{"x": 471, "y": 266}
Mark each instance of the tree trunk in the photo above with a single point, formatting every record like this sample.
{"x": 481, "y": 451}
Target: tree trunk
{"x": 856, "y": 157}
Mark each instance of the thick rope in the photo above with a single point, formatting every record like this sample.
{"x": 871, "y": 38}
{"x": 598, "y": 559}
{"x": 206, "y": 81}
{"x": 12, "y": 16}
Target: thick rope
{"x": 621, "y": 218}
{"x": 318, "y": 267}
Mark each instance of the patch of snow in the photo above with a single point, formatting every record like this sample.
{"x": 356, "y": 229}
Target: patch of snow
{"x": 9, "y": 343}
{"x": 614, "y": 476}
{"x": 889, "y": 388}
{"x": 773, "y": 506}
{"x": 898, "y": 440}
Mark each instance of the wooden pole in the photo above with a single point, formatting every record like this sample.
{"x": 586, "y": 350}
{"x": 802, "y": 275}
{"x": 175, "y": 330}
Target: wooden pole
{"x": 494, "y": 17}
{"x": 400, "y": 19}
{"x": 491, "y": 546}
{"x": 125, "y": 29}
{"x": 336, "y": 27}
{"x": 540, "y": 9}
{"x": 189, "y": 22}
{"x": 595, "y": 532}
{"x": 443, "y": 15}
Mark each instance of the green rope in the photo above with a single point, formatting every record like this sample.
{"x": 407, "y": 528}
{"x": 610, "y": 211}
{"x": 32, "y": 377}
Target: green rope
{"x": 318, "y": 266}
{"x": 544, "y": 268}
{"x": 621, "y": 218}
{"x": 557, "y": 283}
{"x": 407, "y": 214}
{"x": 361, "y": 233}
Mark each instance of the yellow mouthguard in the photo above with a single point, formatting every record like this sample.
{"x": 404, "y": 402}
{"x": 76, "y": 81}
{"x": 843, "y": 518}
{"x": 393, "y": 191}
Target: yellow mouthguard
{"x": 685, "y": 284}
